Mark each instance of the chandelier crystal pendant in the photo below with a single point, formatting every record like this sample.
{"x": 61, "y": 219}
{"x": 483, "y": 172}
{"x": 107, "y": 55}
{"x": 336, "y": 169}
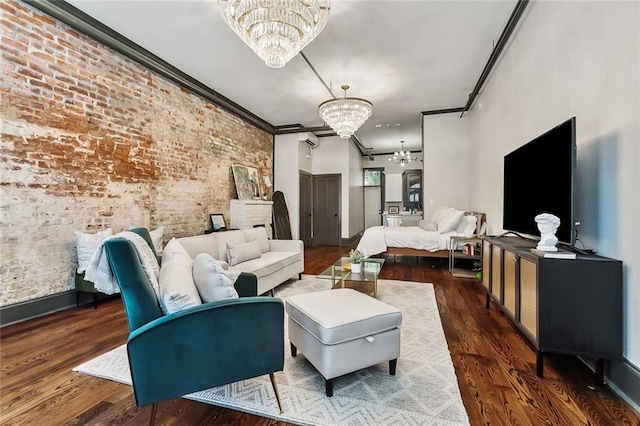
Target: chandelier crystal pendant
{"x": 276, "y": 30}
{"x": 402, "y": 157}
{"x": 345, "y": 115}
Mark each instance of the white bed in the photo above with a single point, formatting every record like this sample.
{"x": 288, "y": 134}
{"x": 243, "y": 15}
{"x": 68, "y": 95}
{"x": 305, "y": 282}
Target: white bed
{"x": 416, "y": 240}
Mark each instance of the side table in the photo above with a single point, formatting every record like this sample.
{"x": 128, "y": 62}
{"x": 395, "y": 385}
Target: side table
{"x": 474, "y": 254}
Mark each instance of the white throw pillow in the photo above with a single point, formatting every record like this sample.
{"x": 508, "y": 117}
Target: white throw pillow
{"x": 241, "y": 252}
{"x": 177, "y": 288}
{"x": 450, "y": 221}
{"x": 259, "y": 234}
{"x": 212, "y": 281}
{"x": 156, "y": 238}
{"x": 87, "y": 244}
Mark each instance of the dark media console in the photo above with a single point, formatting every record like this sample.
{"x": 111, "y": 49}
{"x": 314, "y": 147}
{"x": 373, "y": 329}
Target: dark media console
{"x": 564, "y": 306}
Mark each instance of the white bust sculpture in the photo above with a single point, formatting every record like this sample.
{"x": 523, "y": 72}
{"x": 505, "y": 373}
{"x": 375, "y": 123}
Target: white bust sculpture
{"x": 547, "y": 225}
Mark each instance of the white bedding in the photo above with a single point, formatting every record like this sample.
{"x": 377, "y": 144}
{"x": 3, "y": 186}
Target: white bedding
{"x": 377, "y": 239}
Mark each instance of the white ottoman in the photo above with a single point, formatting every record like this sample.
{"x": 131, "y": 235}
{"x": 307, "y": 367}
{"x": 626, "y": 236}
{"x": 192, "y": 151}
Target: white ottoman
{"x": 341, "y": 331}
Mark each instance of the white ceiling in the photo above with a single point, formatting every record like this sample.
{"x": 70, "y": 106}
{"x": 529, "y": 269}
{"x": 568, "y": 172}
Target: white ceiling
{"x": 404, "y": 56}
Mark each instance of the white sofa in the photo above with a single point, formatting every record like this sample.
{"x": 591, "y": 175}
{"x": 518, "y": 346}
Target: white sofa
{"x": 276, "y": 262}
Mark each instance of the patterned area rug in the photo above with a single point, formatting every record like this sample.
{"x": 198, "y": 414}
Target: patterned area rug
{"x": 424, "y": 390}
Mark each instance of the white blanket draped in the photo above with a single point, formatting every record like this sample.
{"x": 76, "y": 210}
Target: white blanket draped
{"x": 99, "y": 271}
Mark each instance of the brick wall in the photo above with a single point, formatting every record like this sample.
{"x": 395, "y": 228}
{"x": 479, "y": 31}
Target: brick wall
{"x": 90, "y": 140}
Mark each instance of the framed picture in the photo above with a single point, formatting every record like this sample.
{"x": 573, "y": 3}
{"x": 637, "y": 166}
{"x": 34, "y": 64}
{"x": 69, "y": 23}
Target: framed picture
{"x": 217, "y": 222}
{"x": 394, "y": 209}
{"x": 247, "y": 183}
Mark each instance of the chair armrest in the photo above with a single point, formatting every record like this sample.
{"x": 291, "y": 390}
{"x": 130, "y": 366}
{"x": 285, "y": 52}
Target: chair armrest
{"x": 206, "y": 346}
{"x": 246, "y": 285}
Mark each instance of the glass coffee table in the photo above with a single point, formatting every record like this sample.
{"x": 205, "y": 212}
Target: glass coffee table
{"x": 366, "y": 281}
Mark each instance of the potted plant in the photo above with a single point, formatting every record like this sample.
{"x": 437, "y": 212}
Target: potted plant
{"x": 356, "y": 261}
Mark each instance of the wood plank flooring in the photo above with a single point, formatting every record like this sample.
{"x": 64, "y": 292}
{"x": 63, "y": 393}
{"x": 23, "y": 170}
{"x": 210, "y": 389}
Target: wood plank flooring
{"x": 494, "y": 363}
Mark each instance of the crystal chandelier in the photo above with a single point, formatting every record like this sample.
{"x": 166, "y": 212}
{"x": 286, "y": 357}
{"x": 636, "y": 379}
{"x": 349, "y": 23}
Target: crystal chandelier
{"x": 345, "y": 115}
{"x": 402, "y": 157}
{"x": 276, "y": 30}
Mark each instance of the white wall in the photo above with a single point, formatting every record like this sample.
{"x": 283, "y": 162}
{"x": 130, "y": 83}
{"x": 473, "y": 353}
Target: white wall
{"x": 290, "y": 156}
{"x": 446, "y": 178}
{"x": 572, "y": 59}
{"x": 356, "y": 193}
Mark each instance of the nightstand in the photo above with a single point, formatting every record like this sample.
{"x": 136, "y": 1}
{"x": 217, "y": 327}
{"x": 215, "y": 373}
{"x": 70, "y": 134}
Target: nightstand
{"x": 461, "y": 262}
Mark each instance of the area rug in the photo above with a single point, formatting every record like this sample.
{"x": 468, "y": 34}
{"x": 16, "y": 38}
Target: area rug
{"x": 424, "y": 390}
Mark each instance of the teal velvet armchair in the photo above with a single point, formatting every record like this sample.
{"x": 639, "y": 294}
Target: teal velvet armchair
{"x": 198, "y": 348}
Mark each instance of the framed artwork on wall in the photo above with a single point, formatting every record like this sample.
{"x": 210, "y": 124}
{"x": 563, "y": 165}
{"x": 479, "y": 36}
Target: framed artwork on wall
{"x": 394, "y": 209}
{"x": 247, "y": 183}
{"x": 217, "y": 222}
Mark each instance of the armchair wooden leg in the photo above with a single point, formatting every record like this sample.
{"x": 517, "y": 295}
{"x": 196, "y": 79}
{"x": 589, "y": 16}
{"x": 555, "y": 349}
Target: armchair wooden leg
{"x": 154, "y": 409}
{"x": 275, "y": 389}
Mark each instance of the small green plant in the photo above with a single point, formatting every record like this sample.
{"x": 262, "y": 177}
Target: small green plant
{"x": 356, "y": 256}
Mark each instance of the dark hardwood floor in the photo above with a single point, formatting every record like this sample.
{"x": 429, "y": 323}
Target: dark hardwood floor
{"x": 494, "y": 363}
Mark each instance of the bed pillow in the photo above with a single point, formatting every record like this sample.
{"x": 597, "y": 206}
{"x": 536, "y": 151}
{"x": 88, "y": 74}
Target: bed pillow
{"x": 177, "y": 289}
{"x": 87, "y": 244}
{"x": 428, "y": 225}
{"x": 450, "y": 220}
{"x": 212, "y": 281}
{"x": 438, "y": 214}
{"x": 467, "y": 225}
{"x": 241, "y": 252}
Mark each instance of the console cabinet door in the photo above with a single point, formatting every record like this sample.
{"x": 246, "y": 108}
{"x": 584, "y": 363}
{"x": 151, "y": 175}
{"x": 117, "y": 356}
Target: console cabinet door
{"x": 496, "y": 273}
{"x": 486, "y": 264}
{"x": 529, "y": 296}
{"x": 509, "y": 281}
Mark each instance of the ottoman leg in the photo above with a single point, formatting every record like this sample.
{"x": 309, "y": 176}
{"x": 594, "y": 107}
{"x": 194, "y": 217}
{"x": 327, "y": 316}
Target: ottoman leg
{"x": 328, "y": 386}
{"x": 294, "y": 350}
{"x": 392, "y": 366}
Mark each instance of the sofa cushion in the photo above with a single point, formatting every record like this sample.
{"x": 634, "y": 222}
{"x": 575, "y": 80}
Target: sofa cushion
{"x": 87, "y": 244}
{"x": 177, "y": 288}
{"x": 212, "y": 281}
{"x": 222, "y": 238}
{"x": 259, "y": 234}
{"x": 157, "y": 236}
{"x": 195, "y": 245}
{"x": 241, "y": 252}
{"x": 269, "y": 263}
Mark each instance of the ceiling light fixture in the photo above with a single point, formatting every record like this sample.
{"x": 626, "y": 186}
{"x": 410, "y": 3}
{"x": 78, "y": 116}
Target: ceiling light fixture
{"x": 345, "y": 115}
{"x": 276, "y": 30}
{"x": 402, "y": 157}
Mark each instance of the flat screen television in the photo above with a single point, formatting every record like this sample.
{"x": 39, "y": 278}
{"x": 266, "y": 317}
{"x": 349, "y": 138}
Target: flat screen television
{"x": 539, "y": 177}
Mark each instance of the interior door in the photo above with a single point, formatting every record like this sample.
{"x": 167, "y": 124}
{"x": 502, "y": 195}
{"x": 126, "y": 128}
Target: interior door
{"x": 306, "y": 207}
{"x": 326, "y": 210}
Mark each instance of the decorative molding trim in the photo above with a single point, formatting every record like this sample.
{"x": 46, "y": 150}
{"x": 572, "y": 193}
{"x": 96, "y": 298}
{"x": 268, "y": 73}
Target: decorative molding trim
{"x": 22, "y": 311}
{"x": 623, "y": 378}
{"x": 442, "y": 111}
{"x": 78, "y": 20}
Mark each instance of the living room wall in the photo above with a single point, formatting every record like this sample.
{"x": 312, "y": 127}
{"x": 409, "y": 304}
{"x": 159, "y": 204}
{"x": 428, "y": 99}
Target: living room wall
{"x": 91, "y": 140}
{"x": 570, "y": 59}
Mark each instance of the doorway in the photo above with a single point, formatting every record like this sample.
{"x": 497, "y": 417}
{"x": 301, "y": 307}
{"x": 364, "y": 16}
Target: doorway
{"x": 327, "y": 215}
{"x": 373, "y": 196}
{"x": 306, "y": 207}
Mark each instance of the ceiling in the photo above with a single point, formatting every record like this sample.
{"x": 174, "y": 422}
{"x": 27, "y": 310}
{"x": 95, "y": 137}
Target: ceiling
{"x": 405, "y": 57}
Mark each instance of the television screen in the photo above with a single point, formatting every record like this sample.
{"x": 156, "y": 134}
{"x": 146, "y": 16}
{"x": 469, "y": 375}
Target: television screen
{"x": 539, "y": 178}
